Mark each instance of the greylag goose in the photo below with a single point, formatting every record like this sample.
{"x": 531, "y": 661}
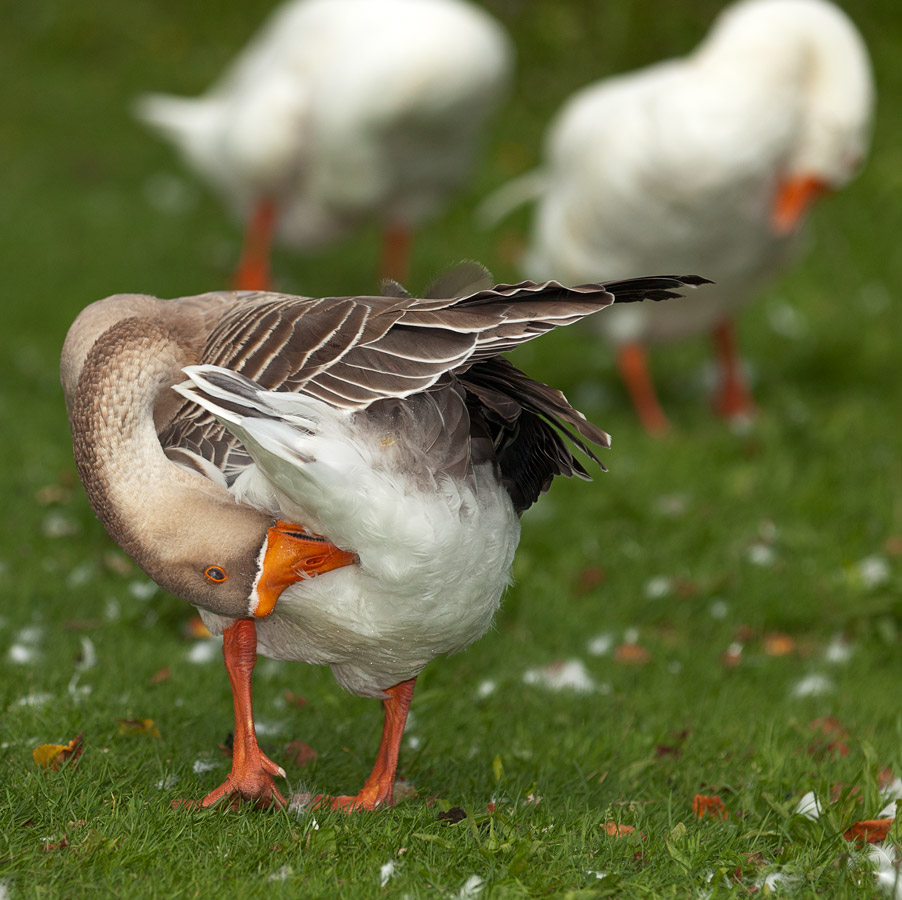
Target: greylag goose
{"x": 337, "y": 480}
{"x": 340, "y": 112}
{"x": 708, "y": 163}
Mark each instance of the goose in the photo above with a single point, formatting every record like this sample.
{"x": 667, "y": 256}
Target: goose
{"x": 341, "y": 112}
{"x": 708, "y": 163}
{"x": 337, "y": 481}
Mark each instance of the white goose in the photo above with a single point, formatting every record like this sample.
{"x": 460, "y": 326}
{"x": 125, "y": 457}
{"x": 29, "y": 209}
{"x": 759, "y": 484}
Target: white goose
{"x": 707, "y": 163}
{"x": 390, "y": 425}
{"x": 342, "y": 111}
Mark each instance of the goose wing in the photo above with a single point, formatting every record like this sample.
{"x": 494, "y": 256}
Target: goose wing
{"x": 350, "y": 352}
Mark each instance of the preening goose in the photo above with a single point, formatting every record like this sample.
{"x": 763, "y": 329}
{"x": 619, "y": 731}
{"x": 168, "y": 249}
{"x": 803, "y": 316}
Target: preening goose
{"x": 340, "y": 112}
{"x": 338, "y": 480}
{"x": 707, "y": 163}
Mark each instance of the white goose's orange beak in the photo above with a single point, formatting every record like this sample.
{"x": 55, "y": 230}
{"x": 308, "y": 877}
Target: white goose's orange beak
{"x": 291, "y": 554}
{"x": 795, "y": 196}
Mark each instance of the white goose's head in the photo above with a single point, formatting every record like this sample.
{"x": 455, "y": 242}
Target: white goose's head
{"x": 808, "y": 52}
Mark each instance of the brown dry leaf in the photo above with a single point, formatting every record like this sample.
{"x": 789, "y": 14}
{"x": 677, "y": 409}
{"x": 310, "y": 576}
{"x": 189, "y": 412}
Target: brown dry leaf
{"x": 195, "y": 628}
{"x": 160, "y": 675}
{"x": 590, "y": 578}
{"x": 52, "y": 756}
{"x": 893, "y": 545}
{"x": 293, "y": 699}
{"x": 452, "y": 816}
{"x": 118, "y": 563}
{"x": 778, "y": 644}
{"x": 53, "y": 493}
{"x": 705, "y": 804}
{"x": 612, "y": 829}
{"x": 832, "y": 736}
{"x": 871, "y": 831}
{"x": 632, "y": 655}
{"x": 58, "y": 845}
{"x": 404, "y": 790}
{"x": 138, "y": 728}
{"x": 300, "y": 753}
{"x": 675, "y": 749}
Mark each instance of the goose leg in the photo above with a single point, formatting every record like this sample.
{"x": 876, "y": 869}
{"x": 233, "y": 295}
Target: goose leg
{"x": 252, "y": 772}
{"x": 633, "y": 365}
{"x": 253, "y": 269}
{"x": 397, "y": 241}
{"x": 378, "y": 789}
{"x": 733, "y": 400}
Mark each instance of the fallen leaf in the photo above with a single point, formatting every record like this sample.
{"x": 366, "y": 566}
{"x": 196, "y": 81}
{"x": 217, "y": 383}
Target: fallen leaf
{"x": 632, "y": 655}
{"x": 83, "y": 624}
{"x": 871, "y": 831}
{"x": 675, "y": 749}
{"x": 590, "y": 578}
{"x": 612, "y": 829}
{"x": 138, "y": 728}
{"x": 295, "y": 699}
{"x": 893, "y": 545}
{"x": 732, "y": 656}
{"x": 833, "y": 735}
{"x": 703, "y": 804}
{"x": 452, "y": 816}
{"x": 195, "y": 628}
{"x": 59, "y": 845}
{"x": 404, "y": 790}
{"x": 300, "y": 753}
{"x": 53, "y": 493}
{"x": 778, "y": 644}
{"x": 118, "y": 563}
{"x": 52, "y": 756}
{"x": 160, "y": 675}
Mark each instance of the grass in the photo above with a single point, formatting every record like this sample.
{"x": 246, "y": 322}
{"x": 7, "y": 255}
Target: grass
{"x": 668, "y": 546}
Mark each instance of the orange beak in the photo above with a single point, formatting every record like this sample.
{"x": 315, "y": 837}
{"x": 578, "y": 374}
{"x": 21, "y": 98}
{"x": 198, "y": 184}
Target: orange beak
{"x": 292, "y": 555}
{"x": 795, "y": 196}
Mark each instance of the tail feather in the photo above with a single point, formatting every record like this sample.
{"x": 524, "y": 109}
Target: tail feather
{"x": 510, "y": 196}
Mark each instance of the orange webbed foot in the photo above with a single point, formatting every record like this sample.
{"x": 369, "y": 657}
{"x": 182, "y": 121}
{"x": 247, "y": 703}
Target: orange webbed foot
{"x": 251, "y": 782}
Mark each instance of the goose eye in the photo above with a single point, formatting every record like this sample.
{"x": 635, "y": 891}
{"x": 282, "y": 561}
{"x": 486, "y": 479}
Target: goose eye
{"x": 215, "y": 574}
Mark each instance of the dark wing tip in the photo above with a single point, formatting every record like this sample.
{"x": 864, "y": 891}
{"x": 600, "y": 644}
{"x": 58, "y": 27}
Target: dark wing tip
{"x": 653, "y": 287}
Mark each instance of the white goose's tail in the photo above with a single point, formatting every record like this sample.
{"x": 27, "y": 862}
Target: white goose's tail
{"x": 510, "y": 196}
{"x": 190, "y": 124}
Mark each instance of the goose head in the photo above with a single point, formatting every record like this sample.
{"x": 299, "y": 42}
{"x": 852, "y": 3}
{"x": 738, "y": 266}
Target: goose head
{"x": 815, "y": 66}
{"x": 239, "y": 568}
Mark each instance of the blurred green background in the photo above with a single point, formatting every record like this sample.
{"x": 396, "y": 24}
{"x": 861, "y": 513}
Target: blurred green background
{"x": 697, "y": 542}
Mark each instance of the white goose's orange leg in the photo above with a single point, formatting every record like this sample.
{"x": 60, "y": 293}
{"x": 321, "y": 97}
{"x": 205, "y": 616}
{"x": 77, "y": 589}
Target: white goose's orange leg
{"x": 252, "y": 772}
{"x": 397, "y": 241}
{"x": 253, "y": 269}
{"x": 631, "y": 359}
{"x": 733, "y": 400}
{"x": 379, "y": 787}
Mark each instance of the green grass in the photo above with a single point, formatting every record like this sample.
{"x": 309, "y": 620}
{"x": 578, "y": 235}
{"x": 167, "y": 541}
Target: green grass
{"x": 818, "y": 482}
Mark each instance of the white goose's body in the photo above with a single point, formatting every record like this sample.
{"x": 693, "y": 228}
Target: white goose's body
{"x": 341, "y": 479}
{"x": 676, "y": 167}
{"x": 346, "y": 110}
{"x": 705, "y": 164}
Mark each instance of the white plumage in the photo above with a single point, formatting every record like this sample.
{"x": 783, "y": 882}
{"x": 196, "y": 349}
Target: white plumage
{"x": 342, "y": 111}
{"x": 705, "y": 163}
{"x": 434, "y": 559}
